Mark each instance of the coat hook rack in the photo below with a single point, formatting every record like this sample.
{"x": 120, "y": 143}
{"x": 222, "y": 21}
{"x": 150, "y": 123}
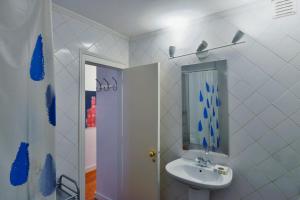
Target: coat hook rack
{"x": 106, "y": 86}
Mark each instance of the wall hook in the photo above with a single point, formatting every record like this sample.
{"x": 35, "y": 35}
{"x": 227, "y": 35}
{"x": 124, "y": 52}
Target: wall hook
{"x": 106, "y": 88}
{"x": 115, "y": 87}
{"x": 99, "y": 88}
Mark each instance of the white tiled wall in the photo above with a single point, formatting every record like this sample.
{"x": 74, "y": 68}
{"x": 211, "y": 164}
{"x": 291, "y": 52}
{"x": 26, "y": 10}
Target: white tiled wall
{"x": 264, "y": 105}
{"x": 71, "y": 33}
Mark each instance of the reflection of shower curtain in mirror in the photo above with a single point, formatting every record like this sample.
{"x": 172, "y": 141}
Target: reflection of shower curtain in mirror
{"x": 204, "y": 104}
{"x": 27, "y": 101}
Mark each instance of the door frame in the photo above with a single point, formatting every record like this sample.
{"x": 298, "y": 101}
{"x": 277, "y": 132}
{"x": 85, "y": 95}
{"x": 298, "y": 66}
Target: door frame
{"x": 85, "y": 56}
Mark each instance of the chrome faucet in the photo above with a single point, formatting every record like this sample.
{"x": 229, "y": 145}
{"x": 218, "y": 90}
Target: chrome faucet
{"x": 203, "y": 161}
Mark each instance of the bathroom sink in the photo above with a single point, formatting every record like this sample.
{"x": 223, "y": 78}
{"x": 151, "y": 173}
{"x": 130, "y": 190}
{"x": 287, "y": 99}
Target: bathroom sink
{"x": 197, "y": 177}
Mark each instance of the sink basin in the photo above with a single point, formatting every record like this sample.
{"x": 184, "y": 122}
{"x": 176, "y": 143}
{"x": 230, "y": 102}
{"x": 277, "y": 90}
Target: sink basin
{"x": 188, "y": 172}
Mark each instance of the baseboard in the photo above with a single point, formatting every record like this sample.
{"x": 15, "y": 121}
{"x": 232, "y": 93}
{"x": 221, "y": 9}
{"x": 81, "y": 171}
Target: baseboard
{"x": 101, "y": 196}
{"x": 90, "y": 168}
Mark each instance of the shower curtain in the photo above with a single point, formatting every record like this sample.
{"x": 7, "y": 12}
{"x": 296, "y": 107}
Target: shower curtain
{"x": 27, "y": 101}
{"x": 204, "y": 109}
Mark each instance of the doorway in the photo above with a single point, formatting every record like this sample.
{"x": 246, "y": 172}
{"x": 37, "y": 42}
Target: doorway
{"x": 99, "y": 93}
{"x": 126, "y": 126}
{"x": 90, "y": 131}
{"x": 103, "y": 133}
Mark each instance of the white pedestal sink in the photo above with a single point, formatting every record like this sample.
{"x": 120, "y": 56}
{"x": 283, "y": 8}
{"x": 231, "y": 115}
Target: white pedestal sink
{"x": 200, "y": 179}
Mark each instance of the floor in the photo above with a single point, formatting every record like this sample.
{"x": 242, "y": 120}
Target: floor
{"x": 90, "y": 185}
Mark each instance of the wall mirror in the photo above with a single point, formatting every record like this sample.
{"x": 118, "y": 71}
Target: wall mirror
{"x": 204, "y": 107}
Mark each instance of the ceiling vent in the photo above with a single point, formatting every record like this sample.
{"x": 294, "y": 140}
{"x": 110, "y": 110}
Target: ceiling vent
{"x": 282, "y": 8}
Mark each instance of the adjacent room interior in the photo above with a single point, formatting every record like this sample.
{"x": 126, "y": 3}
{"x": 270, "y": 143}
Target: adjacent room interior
{"x": 103, "y": 111}
{"x": 90, "y": 131}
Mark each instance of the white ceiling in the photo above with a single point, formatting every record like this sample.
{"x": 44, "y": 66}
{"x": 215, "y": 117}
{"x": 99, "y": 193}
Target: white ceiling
{"x": 134, "y": 17}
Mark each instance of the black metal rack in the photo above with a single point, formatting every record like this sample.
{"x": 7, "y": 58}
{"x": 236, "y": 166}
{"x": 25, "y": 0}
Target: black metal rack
{"x": 67, "y": 189}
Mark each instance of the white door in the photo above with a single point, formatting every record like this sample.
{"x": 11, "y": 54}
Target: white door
{"x": 141, "y": 124}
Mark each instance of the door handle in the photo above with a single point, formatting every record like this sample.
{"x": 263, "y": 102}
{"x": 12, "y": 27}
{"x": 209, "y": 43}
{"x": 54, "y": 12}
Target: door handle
{"x": 152, "y": 154}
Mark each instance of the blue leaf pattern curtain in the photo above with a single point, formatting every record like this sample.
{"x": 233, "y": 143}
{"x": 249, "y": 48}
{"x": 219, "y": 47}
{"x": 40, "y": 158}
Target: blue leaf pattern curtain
{"x": 204, "y": 104}
{"x": 27, "y": 101}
